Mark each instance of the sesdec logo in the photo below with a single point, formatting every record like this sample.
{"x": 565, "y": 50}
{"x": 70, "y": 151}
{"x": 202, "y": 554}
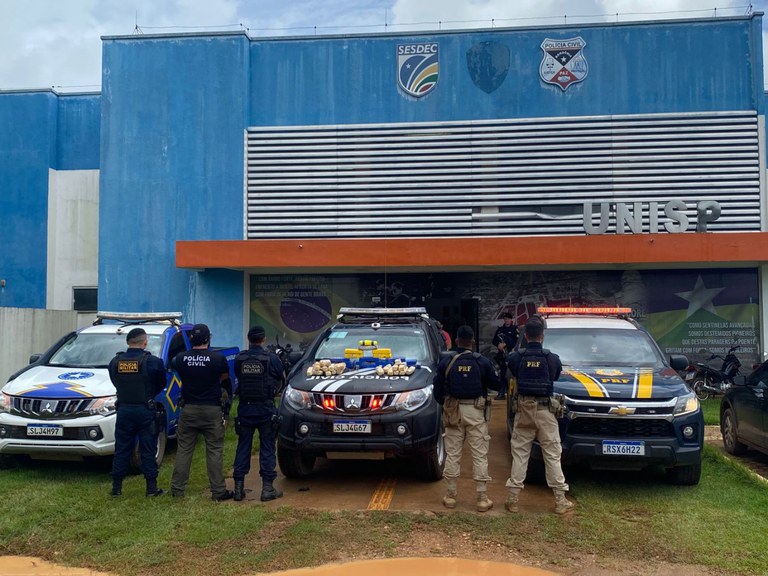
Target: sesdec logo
{"x": 417, "y": 68}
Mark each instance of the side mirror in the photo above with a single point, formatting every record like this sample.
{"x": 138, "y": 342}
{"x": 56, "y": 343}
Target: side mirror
{"x": 294, "y": 356}
{"x": 34, "y": 358}
{"x": 739, "y": 380}
{"x": 678, "y": 362}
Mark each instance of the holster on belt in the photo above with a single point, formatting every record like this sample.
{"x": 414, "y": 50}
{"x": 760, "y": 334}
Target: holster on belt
{"x": 557, "y": 405}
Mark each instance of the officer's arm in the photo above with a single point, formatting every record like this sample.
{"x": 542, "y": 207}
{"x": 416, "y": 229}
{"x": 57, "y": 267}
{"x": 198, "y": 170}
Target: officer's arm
{"x": 157, "y": 370}
{"x": 513, "y": 360}
{"x": 556, "y": 366}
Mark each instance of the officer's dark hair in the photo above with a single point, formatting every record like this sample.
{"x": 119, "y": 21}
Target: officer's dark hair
{"x": 256, "y": 334}
{"x": 507, "y": 315}
{"x": 534, "y": 328}
{"x": 136, "y": 336}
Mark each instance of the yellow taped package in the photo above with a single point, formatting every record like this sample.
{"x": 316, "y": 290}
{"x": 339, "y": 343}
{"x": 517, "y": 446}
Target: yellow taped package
{"x": 369, "y": 344}
{"x": 353, "y": 353}
{"x": 382, "y": 353}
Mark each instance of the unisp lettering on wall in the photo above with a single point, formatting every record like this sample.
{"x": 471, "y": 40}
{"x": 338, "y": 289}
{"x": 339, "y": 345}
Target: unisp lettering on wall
{"x": 651, "y": 217}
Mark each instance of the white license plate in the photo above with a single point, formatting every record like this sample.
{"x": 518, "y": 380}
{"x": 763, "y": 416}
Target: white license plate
{"x": 352, "y": 426}
{"x": 689, "y": 376}
{"x": 616, "y": 448}
{"x": 45, "y": 430}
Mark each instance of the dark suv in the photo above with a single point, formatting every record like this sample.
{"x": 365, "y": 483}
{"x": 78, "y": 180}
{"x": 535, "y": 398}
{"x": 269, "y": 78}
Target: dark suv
{"x": 744, "y": 413}
{"x": 365, "y": 388}
{"x": 625, "y": 407}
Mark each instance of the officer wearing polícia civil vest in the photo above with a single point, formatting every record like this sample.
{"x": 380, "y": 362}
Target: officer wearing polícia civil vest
{"x": 260, "y": 374}
{"x": 461, "y": 385}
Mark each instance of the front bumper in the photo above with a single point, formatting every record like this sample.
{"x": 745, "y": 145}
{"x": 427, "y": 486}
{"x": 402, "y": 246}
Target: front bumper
{"x": 420, "y": 431}
{"x": 87, "y": 436}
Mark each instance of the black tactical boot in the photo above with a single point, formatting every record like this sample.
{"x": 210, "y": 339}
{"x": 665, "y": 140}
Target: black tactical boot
{"x": 269, "y": 492}
{"x": 152, "y": 489}
{"x": 117, "y": 488}
{"x": 239, "y": 490}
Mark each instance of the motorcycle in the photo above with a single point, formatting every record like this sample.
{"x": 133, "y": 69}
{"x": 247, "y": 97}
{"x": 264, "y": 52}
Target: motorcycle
{"x": 708, "y": 382}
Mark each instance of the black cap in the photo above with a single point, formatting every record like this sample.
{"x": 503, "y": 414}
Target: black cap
{"x": 465, "y": 333}
{"x": 200, "y": 334}
{"x": 507, "y": 315}
{"x": 135, "y": 334}
{"x": 256, "y": 333}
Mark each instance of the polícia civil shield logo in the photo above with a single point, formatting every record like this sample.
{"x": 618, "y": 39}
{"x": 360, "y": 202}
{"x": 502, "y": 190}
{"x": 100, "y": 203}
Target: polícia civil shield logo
{"x": 564, "y": 63}
{"x": 417, "y": 68}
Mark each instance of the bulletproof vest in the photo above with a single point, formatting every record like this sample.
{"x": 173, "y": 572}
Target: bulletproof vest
{"x": 254, "y": 382}
{"x": 131, "y": 380}
{"x": 465, "y": 379}
{"x": 533, "y": 377}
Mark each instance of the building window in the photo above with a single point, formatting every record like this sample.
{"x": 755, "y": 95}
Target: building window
{"x": 85, "y": 299}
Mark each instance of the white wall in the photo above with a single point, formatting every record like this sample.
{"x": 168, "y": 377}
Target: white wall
{"x": 73, "y": 235}
{"x": 26, "y": 331}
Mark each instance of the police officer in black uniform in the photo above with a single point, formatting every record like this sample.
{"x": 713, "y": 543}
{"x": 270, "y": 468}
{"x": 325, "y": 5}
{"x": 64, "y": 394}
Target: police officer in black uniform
{"x": 260, "y": 376}
{"x": 505, "y": 340}
{"x": 137, "y": 376}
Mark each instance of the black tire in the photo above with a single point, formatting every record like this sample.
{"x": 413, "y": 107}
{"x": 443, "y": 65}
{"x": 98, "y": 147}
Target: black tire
{"x": 162, "y": 441}
{"x": 295, "y": 463}
{"x": 685, "y": 475}
{"x": 697, "y": 386}
{"x": 8, "y": 461}
{"x": 730, "y": 435}
{"x": 431, "y": 464}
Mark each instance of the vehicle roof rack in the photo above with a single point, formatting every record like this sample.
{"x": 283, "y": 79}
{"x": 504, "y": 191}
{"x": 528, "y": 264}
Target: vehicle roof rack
{"x": 138, "y": 317}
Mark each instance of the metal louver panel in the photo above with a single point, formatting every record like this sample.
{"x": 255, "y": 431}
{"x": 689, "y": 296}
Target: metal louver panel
{"x": 497, "y": 178}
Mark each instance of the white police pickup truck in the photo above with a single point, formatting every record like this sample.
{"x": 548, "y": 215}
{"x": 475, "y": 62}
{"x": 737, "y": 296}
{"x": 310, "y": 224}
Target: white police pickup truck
{"x": 62, "y": 406}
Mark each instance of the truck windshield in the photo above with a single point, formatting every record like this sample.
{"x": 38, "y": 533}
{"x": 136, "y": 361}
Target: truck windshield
{"x": 404, "y": 342}
{"x": 590, "y": 346}
{"x": 96, "y": 350}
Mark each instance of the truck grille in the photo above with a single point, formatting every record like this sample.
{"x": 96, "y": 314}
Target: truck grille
{"x": 51, "y": 408}
{"x": 354, "y": 403}
{"x": 621, "y": 427}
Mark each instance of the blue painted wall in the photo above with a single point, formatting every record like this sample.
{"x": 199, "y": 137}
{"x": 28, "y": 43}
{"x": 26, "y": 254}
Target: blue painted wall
{"x": 681, "y": 66}
{"x": 175, "y": 110}
{"x": 39, "y": 130}
{"x": 173, "y": 118}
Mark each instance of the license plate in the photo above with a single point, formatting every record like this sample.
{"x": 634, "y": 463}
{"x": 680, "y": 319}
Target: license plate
{"x": 615, "y": 448}
{"x": 690, "y": 376}
{"x": 352, "y": 426}
{"x": 44, "y": 430}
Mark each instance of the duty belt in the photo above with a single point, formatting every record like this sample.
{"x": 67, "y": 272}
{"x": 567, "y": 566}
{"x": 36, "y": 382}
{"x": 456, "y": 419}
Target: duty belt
{"x": 540, "y": 400}
{"x": 467, "y": 400}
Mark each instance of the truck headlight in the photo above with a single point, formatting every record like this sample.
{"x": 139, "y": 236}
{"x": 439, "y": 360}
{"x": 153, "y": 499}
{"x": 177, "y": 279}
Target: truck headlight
{"x": 413, "y": 399}
{"x": 686, "y": 404}
{"x": 298, "y": 399}
{"x": 104, "y": 406}
{"x": 5, "y": 402}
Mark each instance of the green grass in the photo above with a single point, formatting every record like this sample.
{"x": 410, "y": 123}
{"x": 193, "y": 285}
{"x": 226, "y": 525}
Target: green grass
{"x": 711, "y": 409}
{"x": 62, "y": 512}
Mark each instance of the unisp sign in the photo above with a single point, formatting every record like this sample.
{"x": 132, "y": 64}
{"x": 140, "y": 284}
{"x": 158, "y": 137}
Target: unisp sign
{"x": 639, "y": 217}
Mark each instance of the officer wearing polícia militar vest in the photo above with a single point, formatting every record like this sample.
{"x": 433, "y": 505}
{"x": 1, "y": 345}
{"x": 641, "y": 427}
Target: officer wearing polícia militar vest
{"x": 461, "y": 385}
{"x": 137, "y": 377}
{"x": 260, "y": 376}
{"x": 536, "y": 410}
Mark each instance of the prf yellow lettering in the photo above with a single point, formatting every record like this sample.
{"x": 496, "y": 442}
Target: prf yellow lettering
{"x": 533, "y": 363}
{"x": 465, "y": 368}
{"x": 614, "y": 380}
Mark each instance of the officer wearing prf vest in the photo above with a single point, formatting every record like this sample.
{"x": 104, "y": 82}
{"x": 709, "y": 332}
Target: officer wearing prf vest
{"x": 535, "y": 370}
{"x": 260, "y": 376}
{"x": 461, "y": 385}
{"x": 137, "y": 376}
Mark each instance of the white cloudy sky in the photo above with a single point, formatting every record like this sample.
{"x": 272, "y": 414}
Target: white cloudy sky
{"x": 56, "y": 43}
